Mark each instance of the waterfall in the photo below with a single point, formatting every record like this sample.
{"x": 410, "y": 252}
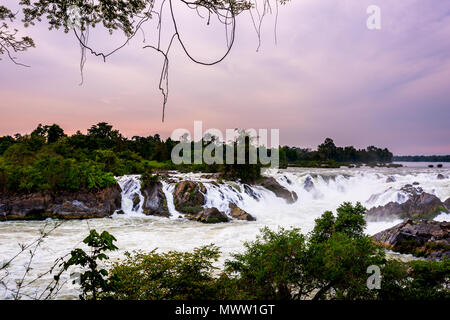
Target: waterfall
{"x": 168, "y": 193}
{"x": 132, "y": 198}
{"x": 317, "y": 189}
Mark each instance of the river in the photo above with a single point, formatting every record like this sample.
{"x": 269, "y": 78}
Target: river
{"x": 135, "y": 231}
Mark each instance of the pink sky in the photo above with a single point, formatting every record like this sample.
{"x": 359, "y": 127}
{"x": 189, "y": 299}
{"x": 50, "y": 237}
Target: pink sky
{"x": 328, "y": 76}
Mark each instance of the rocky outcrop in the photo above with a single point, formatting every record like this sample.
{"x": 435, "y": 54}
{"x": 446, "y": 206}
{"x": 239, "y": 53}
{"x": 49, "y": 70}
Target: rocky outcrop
{"x": 239, "y": 214}
{"x": 429, "y": 239}
{"x": 271, "y": 184}
{"x": 308, "y": 185}
{"x": 390, "y": 179}
{"x": 65, "y": 205}
{"x": 420, "y": 205}
{"x": 248, "y": 190}
{"x": 209, "y": 215}
{"x": 189, "y": 197}
{"x": 155, "y": 202}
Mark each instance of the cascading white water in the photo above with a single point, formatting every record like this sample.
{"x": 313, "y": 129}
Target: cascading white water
{"x": 168, "y": 193}
{"x": 132, "y": 198}
{"x": 136, "y": 231}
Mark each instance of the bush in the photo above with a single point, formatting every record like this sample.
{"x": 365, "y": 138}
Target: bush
{"x": 161, "y": 276}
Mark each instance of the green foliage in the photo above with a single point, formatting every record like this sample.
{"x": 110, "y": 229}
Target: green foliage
{"x": 93, "y": 280}
{"x": 149, "y": 179}
{"x": 271, "y": 266}
{"x": 330, "y": 263}
{"x": 171, "y": 275}
{"x": 415, "y": 280}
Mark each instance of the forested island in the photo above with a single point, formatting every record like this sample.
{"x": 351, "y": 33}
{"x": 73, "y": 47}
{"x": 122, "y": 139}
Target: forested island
{"x": 422, "y": 158}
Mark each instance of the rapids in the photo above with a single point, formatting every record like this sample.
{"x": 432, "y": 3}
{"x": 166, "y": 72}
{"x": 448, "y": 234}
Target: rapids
{"x": 135, "y": 231}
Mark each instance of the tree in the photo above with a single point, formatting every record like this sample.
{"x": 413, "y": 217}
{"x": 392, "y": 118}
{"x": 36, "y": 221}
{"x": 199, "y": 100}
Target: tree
{"x": 327, "y": 149}
{"x": 272, "y": 267}
{"x": 51, "y": 133}
{"x": 94, "y": 280}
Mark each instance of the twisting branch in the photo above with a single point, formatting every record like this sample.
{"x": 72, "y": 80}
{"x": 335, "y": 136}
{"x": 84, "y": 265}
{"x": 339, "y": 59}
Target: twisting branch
{"x": 130, "y": 16}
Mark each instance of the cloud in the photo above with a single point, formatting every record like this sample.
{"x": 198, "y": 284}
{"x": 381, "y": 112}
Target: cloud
{"x": 328, "y": 75}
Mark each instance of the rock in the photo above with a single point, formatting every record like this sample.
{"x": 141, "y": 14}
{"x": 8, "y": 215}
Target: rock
{"x": 390, "y": 179}
{"x": 415, "y": 183}
{"x": 155, "y": 202}
{"x": 271, "y": 184}
{"x": 64, "y": 205}
{"x": 120, "y": 212}
{"x": 239, "y": 214}
{"x": 309, "y": 184}
{"x": 440, "y": 176}
{"x": 446, "y": 203}
{"x": 136, "y": 202}
{"x": 248, "y": 190}
{"x": 188, "y": 197}
{"x": 287, "y": 180}
{"x": 217, "y": 175}
{"x": 420, "y": 205}
{"x": 209, "y": 215}
{"x": 429, "y": 239}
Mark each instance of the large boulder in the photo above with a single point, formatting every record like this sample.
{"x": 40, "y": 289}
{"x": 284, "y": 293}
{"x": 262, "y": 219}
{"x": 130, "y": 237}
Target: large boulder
{"x": 209, "y": 215}
{"x": 271, "y": 184}
{"x": 239, "y": 214}
{"x": 429, "y": 239}
{"x": 64, "y": 205}
{"x": 189, "y": 197}
{"x": 155, "y": 202}
{"x": 419, "y": 205}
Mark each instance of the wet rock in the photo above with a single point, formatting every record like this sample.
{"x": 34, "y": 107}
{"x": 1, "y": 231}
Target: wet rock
{"x": 189, "y": 197}
{"x": 287, "y": 180}
{"x": 429, "y": 239}
{"x": 415, "y": 183}
{"x": 440, "y": 176}
{"x": 136, "y": 202}
{"x": 271, "y": 184}
{"x": 64, "y": 205}
{"x": 209, "y": 215}
{"x": 120, "y": 212}
{"x": 390, "y": 179}
{"x": 248, "y": 190}
{"x": 216, "y": 176}
{"x": 309, "y": 184}
{"x": 446, "y": 203}
{"x": 155, "y": 202}
{"x": 239, "y": 214}
{"x": 420, "y": 205}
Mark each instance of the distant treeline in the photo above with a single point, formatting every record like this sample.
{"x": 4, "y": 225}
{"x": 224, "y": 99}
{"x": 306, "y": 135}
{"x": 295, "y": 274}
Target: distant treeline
{"x": 422, "y": 158}
{"x": 329, "y": 152}
{"x": 49, "y": 159}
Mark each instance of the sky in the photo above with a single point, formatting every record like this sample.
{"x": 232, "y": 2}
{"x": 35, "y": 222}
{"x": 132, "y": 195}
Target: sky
{"x": 327, "y": 75}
